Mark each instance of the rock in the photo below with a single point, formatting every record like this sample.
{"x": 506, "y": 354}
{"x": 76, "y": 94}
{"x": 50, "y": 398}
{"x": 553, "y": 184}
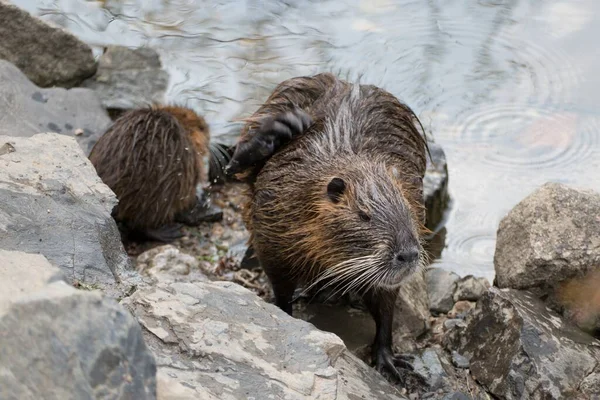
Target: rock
{"x": 429, "y": 365}
{"x": 218, "y": 340}
{"x": 461, "y": 309}
{"x": 470, "y": 288}
{"x": 434, "y": 365}
{"x": 550, "y": 236}
{"x": 53, "y": 203}
{"x": 590, "y": 386}
{"x": 459, "y": 361}
{"x": 411, "y": 318}
{"x": 62, "y": 343}
{"x": 451, "y": 323}
{"x": 518, "y": 348}
{"x": 28, "y": 110}
{"x": 48, "y": 55}
{"x": 441, "y": 285}
{"x": 435, "y": 185}
{"x": 168, "y": 262}
{"x": 129, "y": 78}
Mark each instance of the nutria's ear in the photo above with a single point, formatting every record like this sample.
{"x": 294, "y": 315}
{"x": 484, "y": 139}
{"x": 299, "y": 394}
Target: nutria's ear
{"x": 335, "y": 189}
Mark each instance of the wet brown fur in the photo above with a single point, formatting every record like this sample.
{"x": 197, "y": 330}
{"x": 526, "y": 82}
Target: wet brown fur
{"x": 152, "y": 158}
{"x": 295, "y": 230}
{"x": 580, "y": 298}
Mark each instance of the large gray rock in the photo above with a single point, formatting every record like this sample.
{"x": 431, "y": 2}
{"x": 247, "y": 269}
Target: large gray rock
{"x": 60, "y": 343}
{"x": 49, "y": 56}
{"x": 435, "y": 185}
{"x": 27, "y": 109}
{"x": 220, "y": 341}
{"x": 53, "y": 203}
{"x": 550, "y": 236}
{"x": 129, "y": 78}
{"x": 519, "y": 349}
{"x": 441, "y": 285}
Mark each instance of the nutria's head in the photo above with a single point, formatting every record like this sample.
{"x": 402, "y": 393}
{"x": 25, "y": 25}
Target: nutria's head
{"x": 364, "y": 232}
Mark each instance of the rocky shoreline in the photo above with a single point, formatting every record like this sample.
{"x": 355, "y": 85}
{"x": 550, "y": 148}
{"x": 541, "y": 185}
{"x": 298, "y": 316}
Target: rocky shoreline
{"x": 193, "y": 319}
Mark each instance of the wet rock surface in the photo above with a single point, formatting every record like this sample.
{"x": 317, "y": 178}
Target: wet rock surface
{"x": 551, "y": 235}
{"x": 129, "y": 78}
{"x": 518, "y": 348}
{"x": 54, "y": 204}
{"x": 218, "y": 340}
{"x": 48, "y": 55}
{"x": 441, "y": 285}
{"x": 435, "y": 185}
{"x": 62, "y": 343}
{"x": 28, "y": 109}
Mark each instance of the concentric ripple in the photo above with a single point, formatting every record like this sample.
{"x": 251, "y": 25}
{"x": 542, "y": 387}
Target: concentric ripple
{"x": 519, "y": 137}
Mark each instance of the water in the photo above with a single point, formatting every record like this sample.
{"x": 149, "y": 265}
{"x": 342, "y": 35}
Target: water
{"x": 510, "y": 88}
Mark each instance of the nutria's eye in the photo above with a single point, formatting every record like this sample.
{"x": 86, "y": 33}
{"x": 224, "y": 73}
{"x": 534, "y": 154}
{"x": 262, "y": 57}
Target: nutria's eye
{"x": 335, "y": 189}
{"x": 364, "y": 216}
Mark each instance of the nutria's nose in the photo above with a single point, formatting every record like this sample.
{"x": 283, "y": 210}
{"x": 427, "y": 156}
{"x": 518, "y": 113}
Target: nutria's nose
{"x": 407, "y": 256}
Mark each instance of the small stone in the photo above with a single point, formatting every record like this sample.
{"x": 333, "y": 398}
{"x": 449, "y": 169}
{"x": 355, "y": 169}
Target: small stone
{"x": 461, "y": 309}
{"x": 441, "y": 285}
{"x": 470, "y": 288}
{"x": 459, "y": 361}
{"x": 457, "y": 396}
{"x": 451, "y": 323}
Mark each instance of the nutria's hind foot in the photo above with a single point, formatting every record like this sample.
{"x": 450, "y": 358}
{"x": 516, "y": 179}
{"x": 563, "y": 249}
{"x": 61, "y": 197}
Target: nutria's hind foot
{"x": 399, "y": 366}
{"x": 203, "y": 211}
{"x": 272, "y": 133}
{"x": 166, "y": 233}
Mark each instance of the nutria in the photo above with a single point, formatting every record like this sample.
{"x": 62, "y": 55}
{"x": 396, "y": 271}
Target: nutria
{"x": 335, "y": 194}
{"x": 152, "y": 159}
{"x": 579, "y": 299}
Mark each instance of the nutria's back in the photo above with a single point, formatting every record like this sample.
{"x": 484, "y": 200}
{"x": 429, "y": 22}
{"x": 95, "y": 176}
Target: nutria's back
{"x": 152, "y": 159}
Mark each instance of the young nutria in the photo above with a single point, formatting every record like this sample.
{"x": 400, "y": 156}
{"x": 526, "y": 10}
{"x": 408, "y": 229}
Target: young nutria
{"x": 580, "y": 299}
{"x": 152, "y": 159}
{"x": 335, "y": 176}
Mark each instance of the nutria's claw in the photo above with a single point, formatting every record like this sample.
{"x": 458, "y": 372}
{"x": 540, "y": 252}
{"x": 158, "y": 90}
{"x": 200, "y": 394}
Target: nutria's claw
{"x": 399, "y": 366}
{"x": 272, "y": 133}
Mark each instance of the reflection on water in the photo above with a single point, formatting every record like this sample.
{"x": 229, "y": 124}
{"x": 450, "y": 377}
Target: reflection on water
{"x": 508, "y": 87}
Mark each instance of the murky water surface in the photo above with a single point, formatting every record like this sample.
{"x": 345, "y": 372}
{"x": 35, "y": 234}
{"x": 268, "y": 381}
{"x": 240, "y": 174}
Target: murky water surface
{"x": 510, "y": 88}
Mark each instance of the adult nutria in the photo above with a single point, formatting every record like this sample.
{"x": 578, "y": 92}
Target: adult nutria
{"x": 335, "y": 194}
{"x": 152, "y": 159}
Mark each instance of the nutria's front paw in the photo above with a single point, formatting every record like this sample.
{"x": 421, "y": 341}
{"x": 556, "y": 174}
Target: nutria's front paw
{"x": 399, "y": 367}
{"x": 272, "y": 133}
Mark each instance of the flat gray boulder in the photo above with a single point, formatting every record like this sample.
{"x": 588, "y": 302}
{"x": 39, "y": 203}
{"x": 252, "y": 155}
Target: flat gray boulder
{"x": 28, "y": 109}
{"x": 519, "y": 349}
{"x": 550, "y": 236}
{"x": 60, "y": 343}
{"x": 53, "y": 203}
{"x": 48, "y": 55}
{"x": 218, "y": 340}
{"x": 129, "y": 78}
